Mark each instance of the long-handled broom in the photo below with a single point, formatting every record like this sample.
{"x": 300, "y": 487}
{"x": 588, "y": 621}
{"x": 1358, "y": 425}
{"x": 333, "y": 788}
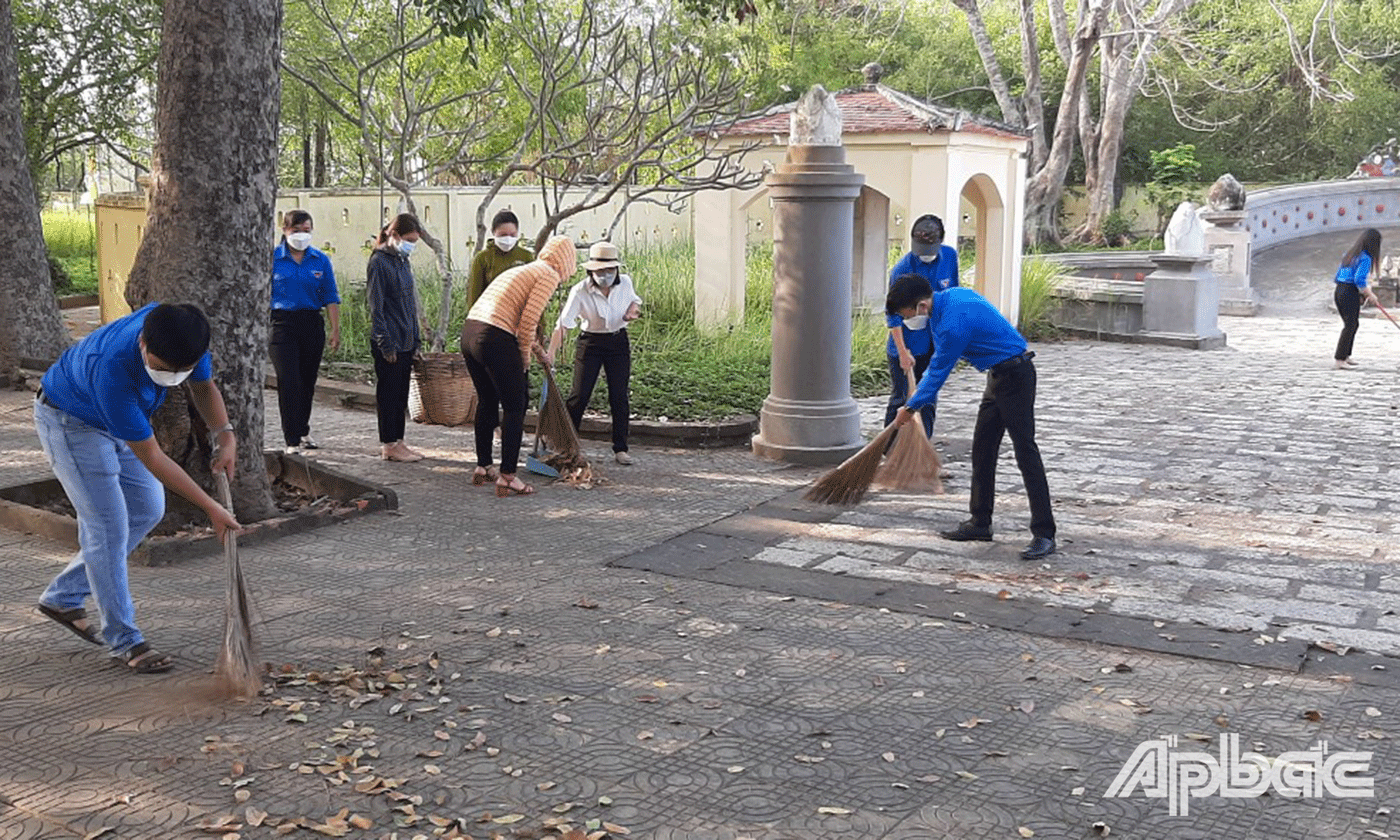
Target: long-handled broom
{"x": 1387, "y": 314}
{"x": 912, "y": 463}
{"x": 847, "y": 484}
{"x": 555, "y": 426}
{"x": 236, "y": 670}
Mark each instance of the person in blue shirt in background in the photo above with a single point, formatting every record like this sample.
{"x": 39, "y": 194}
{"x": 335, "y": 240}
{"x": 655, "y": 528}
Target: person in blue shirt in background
{"x": 1357, "y": 263}
{"x": 910, "y": 345}
{"x": 303, "y": 283}
{"x": 967, "y": 326}
{"x": 92, "y": 414}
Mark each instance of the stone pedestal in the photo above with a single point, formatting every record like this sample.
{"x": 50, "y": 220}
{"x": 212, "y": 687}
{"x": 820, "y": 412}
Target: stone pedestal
{"x": 1228, "y": 245}
{"x": 1181, "y": 302}
{"x": 809, "y": 416}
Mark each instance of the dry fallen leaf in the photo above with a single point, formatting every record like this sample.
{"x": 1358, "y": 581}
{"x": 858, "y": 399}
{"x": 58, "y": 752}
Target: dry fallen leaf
{"x": 1313, "y": 715}
{"x": 361, "y": 822}
{"x": 508, "y": 819}
{"x": 827, "y": 809}
{"x": 889, "y": 756}
{"x": 1024, "y": 832}
{"x": 242, "y": 795}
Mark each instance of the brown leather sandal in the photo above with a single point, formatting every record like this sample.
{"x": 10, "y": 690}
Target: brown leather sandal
{"x": 70, "y": 619}
{"x": 483, "y": 476}
{"x": 144, "y": 659}
{"x": 505, "y": 490}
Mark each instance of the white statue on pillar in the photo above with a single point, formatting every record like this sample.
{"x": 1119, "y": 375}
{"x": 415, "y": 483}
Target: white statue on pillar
{"x": 816, "y": 120}
{"x": 1185, "y": 235}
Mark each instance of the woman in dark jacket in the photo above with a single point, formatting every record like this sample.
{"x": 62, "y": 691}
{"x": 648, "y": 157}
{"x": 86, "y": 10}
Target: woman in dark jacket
{"x": 394, "y": 338}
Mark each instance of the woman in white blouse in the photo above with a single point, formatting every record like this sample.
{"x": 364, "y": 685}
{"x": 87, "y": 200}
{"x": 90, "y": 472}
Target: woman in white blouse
{"x": 603, "y": 303}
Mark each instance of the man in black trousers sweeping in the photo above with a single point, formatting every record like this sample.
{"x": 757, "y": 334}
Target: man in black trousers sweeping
{"x": 967, "y": 326}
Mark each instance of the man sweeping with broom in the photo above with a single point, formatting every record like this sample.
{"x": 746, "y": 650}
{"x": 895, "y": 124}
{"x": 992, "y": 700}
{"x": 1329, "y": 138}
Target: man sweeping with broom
{"x": 93, "y": 418}
{"x": 967, "y": 326}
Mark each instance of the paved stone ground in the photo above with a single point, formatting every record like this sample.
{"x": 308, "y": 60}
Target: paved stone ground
{"x": 506, "y": 662}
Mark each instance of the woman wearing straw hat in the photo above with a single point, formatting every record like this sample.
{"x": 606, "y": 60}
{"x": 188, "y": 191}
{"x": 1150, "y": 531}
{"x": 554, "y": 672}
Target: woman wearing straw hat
{"x": 604, "y": 303}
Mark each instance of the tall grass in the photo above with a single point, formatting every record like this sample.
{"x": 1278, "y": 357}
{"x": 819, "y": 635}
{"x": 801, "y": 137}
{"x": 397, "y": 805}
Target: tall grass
{"x": 678, "y": 371}
{"x": 71, "y": 239}
{"x": 1039, "y": 279}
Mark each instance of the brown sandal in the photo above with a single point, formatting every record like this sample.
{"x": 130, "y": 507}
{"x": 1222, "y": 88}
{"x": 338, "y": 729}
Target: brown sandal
{"x": 144, "y": 659}
{"x": 70, "y": 619}
{"x": 505, "y": 490}
{"x": 483, "y": 476}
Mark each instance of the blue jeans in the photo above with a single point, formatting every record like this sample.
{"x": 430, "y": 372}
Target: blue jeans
{"x": 118, "y": 503}
{"x": 899, "y": 391}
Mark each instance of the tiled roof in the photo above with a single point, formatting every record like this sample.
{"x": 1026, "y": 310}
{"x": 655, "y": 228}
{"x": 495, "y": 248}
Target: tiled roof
{"x": 876, "y": 109}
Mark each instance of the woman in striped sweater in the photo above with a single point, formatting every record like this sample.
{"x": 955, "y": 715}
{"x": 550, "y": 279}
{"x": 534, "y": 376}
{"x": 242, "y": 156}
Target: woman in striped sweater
{"x": 497, "y": 340}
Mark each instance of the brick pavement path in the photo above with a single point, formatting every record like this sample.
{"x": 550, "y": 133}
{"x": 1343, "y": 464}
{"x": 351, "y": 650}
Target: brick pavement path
{"x": 682, "y": 708}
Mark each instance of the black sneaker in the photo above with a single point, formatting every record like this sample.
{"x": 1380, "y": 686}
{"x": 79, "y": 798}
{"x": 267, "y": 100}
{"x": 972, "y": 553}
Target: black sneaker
{"x": 968, "y": 532}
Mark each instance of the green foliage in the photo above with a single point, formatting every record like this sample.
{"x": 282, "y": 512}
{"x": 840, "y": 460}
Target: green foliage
{"x": 1173, "y": 172}
{"x": 1039, "y": 278}
{"x": 1116, "y": 227}
{"x": 71, "y": 239}
{"x": 82, "y": 70}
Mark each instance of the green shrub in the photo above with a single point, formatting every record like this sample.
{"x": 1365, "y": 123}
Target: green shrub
{"x": 1116, "y": 228}
{"x": 1039, "y": 278}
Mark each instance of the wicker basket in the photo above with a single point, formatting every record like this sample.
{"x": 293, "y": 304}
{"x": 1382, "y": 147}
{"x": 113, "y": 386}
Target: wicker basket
{"x": 441, "y": 392}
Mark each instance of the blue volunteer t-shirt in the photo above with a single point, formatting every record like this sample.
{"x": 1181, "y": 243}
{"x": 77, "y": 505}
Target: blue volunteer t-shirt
{"x": 1356, "y": 271}
{"x": 965, "y": 326}
{"x": 102, "y": 380}
{"x": 309, "y": 284}
{"x": 941, "y": 274}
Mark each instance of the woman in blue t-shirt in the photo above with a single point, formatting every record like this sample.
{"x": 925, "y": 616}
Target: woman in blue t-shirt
{"x": 1360, "y": 260}
{"x": 303, "y": 283}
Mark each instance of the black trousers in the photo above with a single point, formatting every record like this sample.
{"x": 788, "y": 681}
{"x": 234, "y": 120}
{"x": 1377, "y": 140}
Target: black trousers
{"x": 1008, "y": 407}
{"x": 391, "y": 392}
{"x": 899, "y": 391}
{"x": 612, "y": 354}
{"x": 297, "y": 344}
{"x": 498, "y": 373}
{"x": 1348, "y": 300}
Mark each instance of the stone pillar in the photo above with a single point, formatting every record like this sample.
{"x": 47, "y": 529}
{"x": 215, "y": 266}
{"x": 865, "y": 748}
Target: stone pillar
{"x": 1228, "y": 244}
{"x": 1181, "y": 301}
{"x": 809, "y": 416}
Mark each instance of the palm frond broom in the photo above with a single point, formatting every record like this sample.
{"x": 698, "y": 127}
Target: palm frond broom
{"x": 237, "y": 670}
{"x": 848, "y": 483}
{"x": 912, "y": 463}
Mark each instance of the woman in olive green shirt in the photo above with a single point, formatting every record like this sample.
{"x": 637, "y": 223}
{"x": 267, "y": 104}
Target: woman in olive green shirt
{"x": 504, "y": 253}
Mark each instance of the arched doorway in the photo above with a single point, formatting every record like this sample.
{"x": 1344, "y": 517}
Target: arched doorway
{"x": 982, "y": 201}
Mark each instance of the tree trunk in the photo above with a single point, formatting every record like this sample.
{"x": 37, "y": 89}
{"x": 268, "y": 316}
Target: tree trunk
{"x": 322, "y": 141}
{"x": 1033, "y": 99}
{"x": 209, "y": 228}
{"x": 1009, "y": 110}
{"x": 32, "y": 327}
{"x": 1047, "y": 185}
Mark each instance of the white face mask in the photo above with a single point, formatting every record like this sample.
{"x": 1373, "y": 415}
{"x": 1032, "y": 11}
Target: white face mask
{"x": 927, "y": 258}
{"x": 168, "y": 378}
{"x": 505, "y": 243}
{"x": 918, "y": 322}
{"x": 299, "y": 241}
{"x": 406, "y": 246}
{"x": 605, "y": 277}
